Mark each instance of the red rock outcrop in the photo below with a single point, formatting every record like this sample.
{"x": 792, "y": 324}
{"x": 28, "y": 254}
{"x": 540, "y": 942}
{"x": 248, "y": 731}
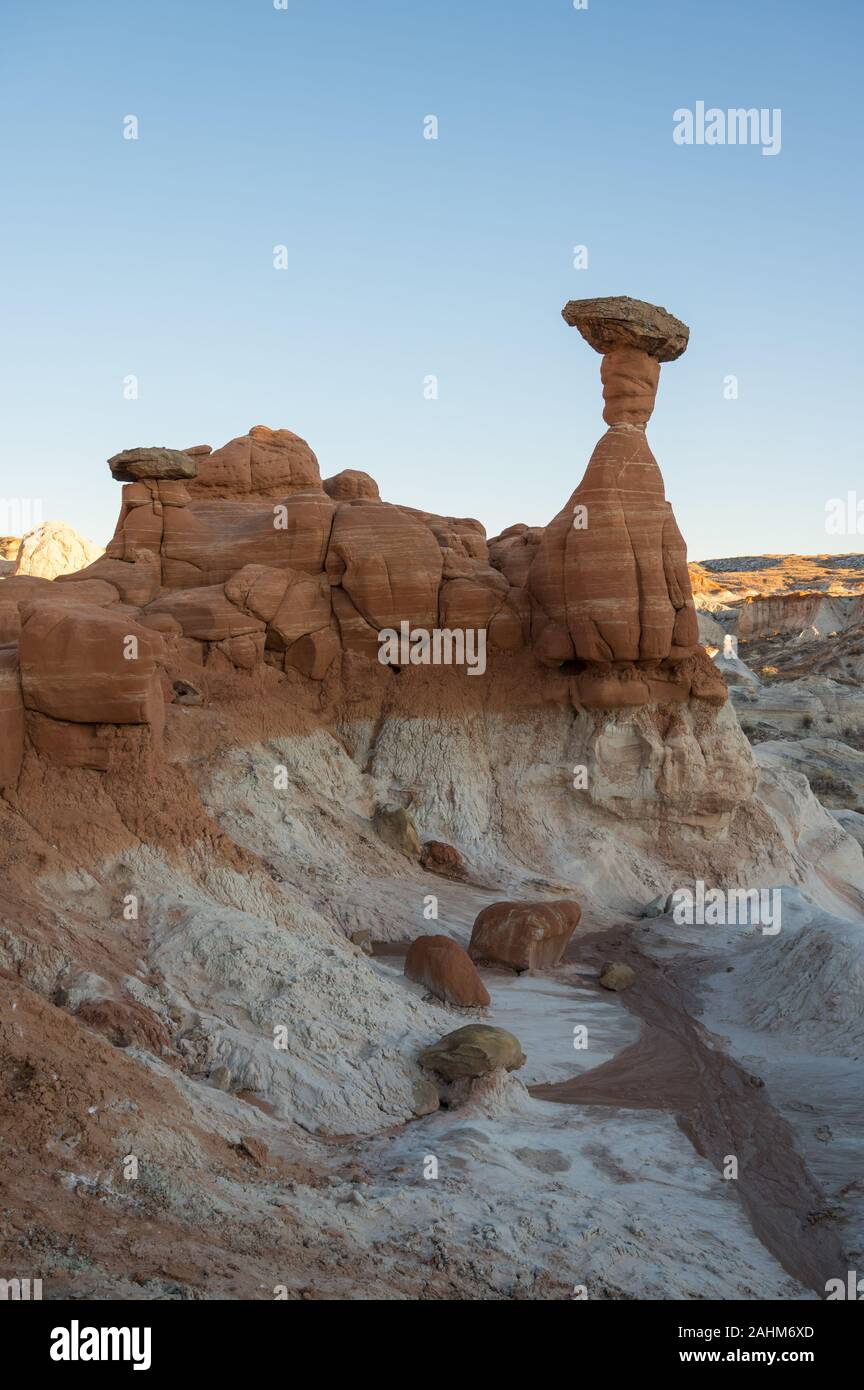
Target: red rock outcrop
{"x": 514, "y": 551}
{"x": 205, "y": 614}
{"x": 264, "y": 463}
{"x": 524, "y": 936}
{"x": 85, "y": 674}
{"x": 233, "y": 558}
{"x": 388, "y": 563}
{"x": 136, "y": 579}
{"x": 87, "y": 665}
{"x": 446, "y": 970}
{"x": 306, "y": 608}
{"x": 351, "y": 484}
{"x": 206, "y": 542}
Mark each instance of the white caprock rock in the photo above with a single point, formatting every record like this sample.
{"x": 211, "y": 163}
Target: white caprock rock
{"x": 53, "y": 549}
{"x": 735, "y": 672}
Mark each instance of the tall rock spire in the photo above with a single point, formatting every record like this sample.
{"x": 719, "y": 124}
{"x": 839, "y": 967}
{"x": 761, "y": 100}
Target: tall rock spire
{"x": 610, "y": 574}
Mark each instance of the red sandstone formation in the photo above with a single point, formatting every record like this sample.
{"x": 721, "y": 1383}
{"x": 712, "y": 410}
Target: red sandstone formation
{"x": 447, "y": 971}
{"x": 235, "y": 558}
{"x": 524, "y": 936}
{"x": 89, "y": 665}
{"x": 610, "y": 576}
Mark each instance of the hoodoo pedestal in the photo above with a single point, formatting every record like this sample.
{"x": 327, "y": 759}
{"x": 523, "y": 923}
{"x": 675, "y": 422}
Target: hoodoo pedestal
{"x": 610, "y": 576}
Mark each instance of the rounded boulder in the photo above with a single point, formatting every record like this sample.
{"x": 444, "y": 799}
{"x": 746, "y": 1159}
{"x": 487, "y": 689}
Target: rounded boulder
{"x": 474, "y": 1050}
{"x": 446, "y": 970}
{"x": 524, "y": 936}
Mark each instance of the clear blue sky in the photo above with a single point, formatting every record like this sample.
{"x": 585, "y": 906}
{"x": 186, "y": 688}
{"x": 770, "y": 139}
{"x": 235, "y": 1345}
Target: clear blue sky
{"x": 409, "y": 257}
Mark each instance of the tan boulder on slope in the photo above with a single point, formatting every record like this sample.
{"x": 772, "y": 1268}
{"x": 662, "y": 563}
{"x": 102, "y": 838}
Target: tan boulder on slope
{"x": 475, "y": 1050}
